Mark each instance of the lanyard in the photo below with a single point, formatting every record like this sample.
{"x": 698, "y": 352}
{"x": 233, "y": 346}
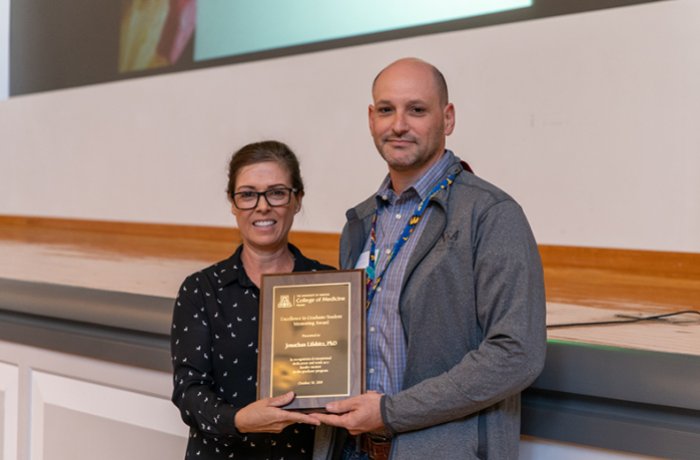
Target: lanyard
{"x": 373, "y": 281}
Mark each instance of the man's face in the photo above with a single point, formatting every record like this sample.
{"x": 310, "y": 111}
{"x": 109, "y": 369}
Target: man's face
{"x": 407, "y": 120}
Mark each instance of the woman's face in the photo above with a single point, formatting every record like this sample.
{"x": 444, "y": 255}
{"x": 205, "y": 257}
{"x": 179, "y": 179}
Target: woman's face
{"x": 265, "y": 227}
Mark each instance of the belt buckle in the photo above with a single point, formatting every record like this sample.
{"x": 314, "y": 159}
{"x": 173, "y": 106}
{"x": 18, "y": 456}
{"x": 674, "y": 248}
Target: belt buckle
{"x": 378, "y": 438}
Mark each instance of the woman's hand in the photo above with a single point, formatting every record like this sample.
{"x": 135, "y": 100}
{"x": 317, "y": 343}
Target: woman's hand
{"x": 266, "y": 416}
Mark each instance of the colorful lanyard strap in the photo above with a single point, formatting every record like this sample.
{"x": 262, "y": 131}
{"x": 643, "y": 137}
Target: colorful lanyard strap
{"x": 374, "y": 281}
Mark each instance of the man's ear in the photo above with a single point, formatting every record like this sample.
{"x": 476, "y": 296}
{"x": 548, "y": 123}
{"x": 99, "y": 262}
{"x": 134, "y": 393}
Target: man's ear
{"x": 449, "y": 115}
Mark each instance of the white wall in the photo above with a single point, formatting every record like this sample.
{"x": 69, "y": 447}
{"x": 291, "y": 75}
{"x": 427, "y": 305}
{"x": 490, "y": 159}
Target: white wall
{"x": 589, "y": 120}
{"x": 543, "y": 449}
{"x": 119, "y": 411}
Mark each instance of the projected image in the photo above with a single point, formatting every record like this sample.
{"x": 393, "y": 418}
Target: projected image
{"x": 231, "y": 28}
{"x": 68, "y": 43}
{"x": 154, "y": 33}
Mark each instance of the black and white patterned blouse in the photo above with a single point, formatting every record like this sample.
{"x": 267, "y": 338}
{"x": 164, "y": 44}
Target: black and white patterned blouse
{"x": 214, "y": 344}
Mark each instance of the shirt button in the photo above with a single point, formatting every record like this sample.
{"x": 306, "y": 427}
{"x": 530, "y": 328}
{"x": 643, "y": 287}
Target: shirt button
{"x": 371, "y": 329}
{"x": 371, "y": 371}
{"x": 385, "y": 197}
{"x": 398, "y": 216}
{"x": 379, "y": 289}
{"x": 387, "y": 252}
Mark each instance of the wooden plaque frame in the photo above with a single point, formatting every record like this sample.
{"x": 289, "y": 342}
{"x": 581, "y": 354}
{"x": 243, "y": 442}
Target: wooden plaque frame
{"x": 312, "y": 334}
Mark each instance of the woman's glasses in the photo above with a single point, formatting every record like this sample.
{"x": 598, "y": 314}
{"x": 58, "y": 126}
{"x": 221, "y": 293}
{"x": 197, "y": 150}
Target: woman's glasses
{"x": 248, "y": 199}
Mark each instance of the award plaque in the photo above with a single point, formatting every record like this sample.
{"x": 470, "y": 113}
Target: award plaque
{"x": 312, "y": 337}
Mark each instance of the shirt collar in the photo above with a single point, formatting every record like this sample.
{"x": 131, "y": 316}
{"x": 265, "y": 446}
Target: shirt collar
{"x": 422, "y": 186}
{"x": 234, "y": 271}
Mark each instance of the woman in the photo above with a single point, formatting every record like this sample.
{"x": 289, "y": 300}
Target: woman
{"x": 215, "y": 330}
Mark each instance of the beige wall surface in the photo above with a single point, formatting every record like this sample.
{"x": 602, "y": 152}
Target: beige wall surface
{"x": 588, "y": 120}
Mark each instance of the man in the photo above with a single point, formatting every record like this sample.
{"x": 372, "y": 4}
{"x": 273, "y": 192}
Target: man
{"x": 456, "y": 317}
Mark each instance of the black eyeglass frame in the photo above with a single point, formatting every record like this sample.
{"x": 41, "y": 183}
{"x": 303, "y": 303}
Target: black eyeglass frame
{"x": 292, "y": 191}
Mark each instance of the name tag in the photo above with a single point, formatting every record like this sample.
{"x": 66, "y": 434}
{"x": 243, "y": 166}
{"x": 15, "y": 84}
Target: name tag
{"x": 363, "y": 260}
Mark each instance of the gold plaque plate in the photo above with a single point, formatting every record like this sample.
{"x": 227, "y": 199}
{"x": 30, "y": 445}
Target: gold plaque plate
{"x": 312, "y": 337}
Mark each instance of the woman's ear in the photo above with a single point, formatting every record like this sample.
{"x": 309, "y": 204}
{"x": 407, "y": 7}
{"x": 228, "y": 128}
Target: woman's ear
{"x": 233, "y": 206}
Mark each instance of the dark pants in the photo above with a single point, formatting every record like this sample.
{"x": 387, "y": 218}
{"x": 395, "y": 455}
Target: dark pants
{"x": 352, "y": 450}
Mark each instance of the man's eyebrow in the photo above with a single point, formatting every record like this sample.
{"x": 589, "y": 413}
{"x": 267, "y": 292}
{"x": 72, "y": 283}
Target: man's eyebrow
{"x": 409, "y": 102}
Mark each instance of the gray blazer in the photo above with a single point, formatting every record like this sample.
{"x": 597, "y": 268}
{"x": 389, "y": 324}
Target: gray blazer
{"x": 473, "y": 312}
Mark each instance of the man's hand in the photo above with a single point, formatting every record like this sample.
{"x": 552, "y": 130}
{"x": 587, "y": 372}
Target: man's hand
{"x": 265, "y": 415}
{"x": 359, "y": 414}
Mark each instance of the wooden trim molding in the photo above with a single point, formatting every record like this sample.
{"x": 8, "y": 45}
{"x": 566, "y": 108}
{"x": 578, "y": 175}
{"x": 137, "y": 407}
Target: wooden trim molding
{"x": 639, "y": 262}
{"x": 622, "y": 277}
{"x": 206, "y": 243}
{"x": 124, "y": 228}
{"x": 589, "y": 276}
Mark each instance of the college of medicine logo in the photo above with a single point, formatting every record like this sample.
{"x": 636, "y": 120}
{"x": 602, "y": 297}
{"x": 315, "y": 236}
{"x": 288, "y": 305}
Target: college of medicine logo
{"x": 284, "y": 302}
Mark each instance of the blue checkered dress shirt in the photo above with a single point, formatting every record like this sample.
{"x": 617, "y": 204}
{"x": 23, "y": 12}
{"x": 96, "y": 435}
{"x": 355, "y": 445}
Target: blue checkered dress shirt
{"x": 386, "y": 344}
